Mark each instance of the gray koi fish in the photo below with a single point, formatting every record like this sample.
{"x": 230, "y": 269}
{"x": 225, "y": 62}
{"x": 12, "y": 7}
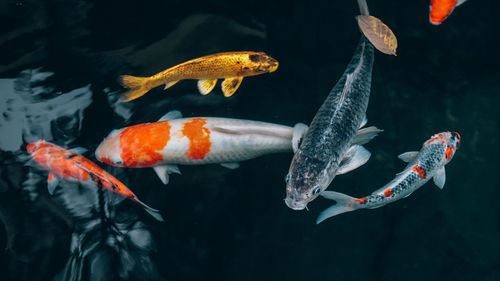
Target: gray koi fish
{"x": 332, "y": 144}
{"x": 423, "y": 165}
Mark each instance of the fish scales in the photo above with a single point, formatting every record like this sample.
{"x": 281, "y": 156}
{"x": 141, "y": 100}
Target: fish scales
{"x": 426, "y": 164}
{"x": 335, "y": 125}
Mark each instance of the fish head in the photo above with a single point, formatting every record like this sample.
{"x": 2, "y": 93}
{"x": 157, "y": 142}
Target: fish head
{"x": 32, "y": 147}
{"x": 262, "y": 63}
{"x": 440, "y": 10}
{"x": 450, "y": 141}
{"x": 453, "y": 142}
{"x": 304, "y": 183}
{"x": 109, "y": 150}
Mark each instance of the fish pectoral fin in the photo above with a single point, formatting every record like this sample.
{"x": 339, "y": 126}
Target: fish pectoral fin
{"x": 52, "y": 182}
{"x": 440, "y": 178}
{"x": 173, "y": 114}
{"x": 230, "y": 85}
{"x": 78, "y": 150}
{"x": 231, "y": 165}
{"x": 299, "y": 130}
{"x": 170, "y": 84}
{"x": 363, "y": 123}
{"x": 206, "y": 86}
{"x": 355, "y": 157}
{"x": 408, "y": 156}
{"x": 366, "y": 134}
{"x": 460, "y": 2}
{"x": 163, "y": 172}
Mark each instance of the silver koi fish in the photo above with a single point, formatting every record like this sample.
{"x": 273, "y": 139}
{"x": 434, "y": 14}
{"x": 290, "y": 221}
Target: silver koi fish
{"x": 422, "y": 165}
{"x": 331, "y": 145}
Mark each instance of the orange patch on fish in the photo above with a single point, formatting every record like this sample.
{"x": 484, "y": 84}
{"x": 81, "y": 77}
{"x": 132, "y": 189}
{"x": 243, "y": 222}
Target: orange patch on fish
{"x": 199, "y": 138}
{"x": 440, "y": 9}
{"x": 388, "y": 192}
{"x": 448, "y": 152}
{"x": 140, "y": 143}
{"x": 361, "y": 200}
{"x": 420, "y": 171}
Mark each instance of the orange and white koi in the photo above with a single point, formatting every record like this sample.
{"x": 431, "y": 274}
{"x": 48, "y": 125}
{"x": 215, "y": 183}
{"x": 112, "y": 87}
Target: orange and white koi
{"x": 422, "y": 165}
{"x": 70, "y": 165}
{"x": 441, "y": 9}
{"x": 194, "y": 141}
{"x": 232, "y": 66}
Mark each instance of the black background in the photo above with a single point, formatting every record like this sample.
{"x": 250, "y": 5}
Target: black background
{"x": 233, "y": 224}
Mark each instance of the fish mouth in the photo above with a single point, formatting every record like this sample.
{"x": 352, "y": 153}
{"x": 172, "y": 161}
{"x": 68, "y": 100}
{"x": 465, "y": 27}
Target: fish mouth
{"x": 294, "y": 205}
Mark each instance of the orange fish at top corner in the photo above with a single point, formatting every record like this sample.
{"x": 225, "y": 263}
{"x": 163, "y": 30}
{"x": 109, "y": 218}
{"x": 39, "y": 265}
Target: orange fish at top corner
{"x": 232, "y": 66}
{"x": 441, "y": 9}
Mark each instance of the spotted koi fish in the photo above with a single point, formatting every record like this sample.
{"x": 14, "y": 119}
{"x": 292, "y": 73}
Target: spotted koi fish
{"x": 441, "y": 9}
{"x": 232, "y": 66}
{"x": 70, "y": 165}
{"x": 174, "y": 140}
{"x": 332, "y": 144}
{"x": 422, "y": 165}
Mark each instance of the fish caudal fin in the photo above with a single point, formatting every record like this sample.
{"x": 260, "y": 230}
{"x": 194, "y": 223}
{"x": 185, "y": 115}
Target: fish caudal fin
{"x": 344, "y": 204}
{"x": 153, "y": 212}
{"x": 137, "y": 86}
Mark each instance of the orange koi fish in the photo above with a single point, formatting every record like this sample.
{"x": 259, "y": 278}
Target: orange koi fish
{"x": 232, "y": 66}
{"x": 70, "y": 165}
{"x": 441, "y": 9}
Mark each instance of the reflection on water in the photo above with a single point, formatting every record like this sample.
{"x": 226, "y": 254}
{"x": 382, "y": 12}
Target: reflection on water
{"x": 108, "y": 241}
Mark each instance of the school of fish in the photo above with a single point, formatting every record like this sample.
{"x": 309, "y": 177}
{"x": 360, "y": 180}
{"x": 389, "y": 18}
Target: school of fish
{"x": 331, "y": 145}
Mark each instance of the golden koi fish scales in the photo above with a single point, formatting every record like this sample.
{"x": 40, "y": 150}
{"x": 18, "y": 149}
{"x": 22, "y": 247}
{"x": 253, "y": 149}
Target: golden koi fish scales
{"x": 230, "y": 66}
{"x": 69, "y": 165}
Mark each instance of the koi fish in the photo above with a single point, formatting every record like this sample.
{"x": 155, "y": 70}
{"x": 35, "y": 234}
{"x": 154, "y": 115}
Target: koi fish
{"x": 332, "y": 144}
{"x": 232, "y": 66}
{"x": 441, "y": 9}
{"x": 174, "y": 140}
{"x": 70, "y": 165}
{"x": 422, "y": 165}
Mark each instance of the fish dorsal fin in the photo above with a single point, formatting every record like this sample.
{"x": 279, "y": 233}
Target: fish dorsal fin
{"x": 363, "y": 123}
{"x": 366, "y": 134}
{"x": 299, "y": 130}
{"x": 247, "y": 131}
{"x": 95, "y": 174}
{"x": 78, "y": 150}
{"x": 440, "y": 178}
{"x": 230, "y": 85}
{"x": 206, "y": 86}
{"x": 460, "y": 2}
{"x": 170, "y": 84}
{"x": 355, "y": 157}
{"x": 52, "y": 182}
{"x": 163, "y": 172}
{"x": 231, "y": 165}
{"x": 408, "y": 156}
{"x": 171, "y": 115}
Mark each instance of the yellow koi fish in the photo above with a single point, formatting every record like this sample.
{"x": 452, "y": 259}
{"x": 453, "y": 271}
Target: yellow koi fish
{"x": 232, "y": 66}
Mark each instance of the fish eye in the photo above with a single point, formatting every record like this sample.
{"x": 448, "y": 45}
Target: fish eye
{"x": 316, "y": 189}
{"x": 254, "y": 58}
{"x": 118, "y": 162}
{"x": 287, "y": 177}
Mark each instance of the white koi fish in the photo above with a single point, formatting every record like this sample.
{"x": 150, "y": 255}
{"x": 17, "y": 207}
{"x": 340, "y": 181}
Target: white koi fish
{"x": 422, "y": 165}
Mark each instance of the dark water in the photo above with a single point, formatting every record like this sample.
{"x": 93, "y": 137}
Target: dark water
{"x": 59, "y": 65}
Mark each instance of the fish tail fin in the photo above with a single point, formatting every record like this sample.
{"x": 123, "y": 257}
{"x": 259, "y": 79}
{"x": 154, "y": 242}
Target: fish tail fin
{"x": 137, "y": 86}
{"x": 153, "y": 212}
{"x": 344, "y": 203}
